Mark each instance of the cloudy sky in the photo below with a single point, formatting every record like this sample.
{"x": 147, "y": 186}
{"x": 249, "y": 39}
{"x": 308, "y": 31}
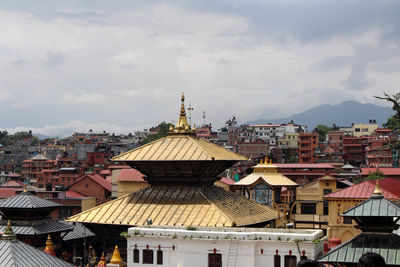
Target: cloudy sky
{"x": 121, "y": 66}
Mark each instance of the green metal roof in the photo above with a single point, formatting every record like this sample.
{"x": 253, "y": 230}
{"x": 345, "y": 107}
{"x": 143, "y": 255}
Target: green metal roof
{"x": 387, "y": 245}
{"x": 376, "y": 206}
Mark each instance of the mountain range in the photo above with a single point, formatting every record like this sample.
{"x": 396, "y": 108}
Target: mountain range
{"x": 343, "y": 114}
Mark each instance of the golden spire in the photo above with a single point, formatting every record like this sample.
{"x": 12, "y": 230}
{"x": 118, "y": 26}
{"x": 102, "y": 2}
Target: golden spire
{"x": 25, "y": 190}
{"x": 182, "y": 127}
{"x": 377, "y": 190}
{"x": 102, "y": 262}
{"x": 49, "y": 249}
{"x": 270, "y": 161}
{"x": 116, "y": 257}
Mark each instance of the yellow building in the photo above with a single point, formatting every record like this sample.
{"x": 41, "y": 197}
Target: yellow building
{"x": 340, "y": 201}
{"x": 265, "y": 185}
{"x": 364, "y": 129}
{"x": 311, "y": 208}
{"x": 290, "y": 140}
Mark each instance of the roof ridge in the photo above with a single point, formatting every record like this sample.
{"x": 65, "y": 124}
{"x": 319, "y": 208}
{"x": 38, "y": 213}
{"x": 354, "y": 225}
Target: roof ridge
{"x": 140, "y": 147}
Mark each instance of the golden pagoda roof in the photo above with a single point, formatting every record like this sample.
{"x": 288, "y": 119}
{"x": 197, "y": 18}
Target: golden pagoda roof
{"x": 180, "y": 144}
{"x": 179, "y": 147}
{"x": 179, "y": 206}
{"x": 268, "y": 173}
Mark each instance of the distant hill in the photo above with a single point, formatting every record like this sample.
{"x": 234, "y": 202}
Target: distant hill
{"x": 343, "y": 114}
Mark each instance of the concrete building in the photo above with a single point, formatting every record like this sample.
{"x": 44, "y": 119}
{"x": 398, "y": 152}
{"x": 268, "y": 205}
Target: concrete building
{"x": 361, "y": 129}
{"x": 214, "y": 247}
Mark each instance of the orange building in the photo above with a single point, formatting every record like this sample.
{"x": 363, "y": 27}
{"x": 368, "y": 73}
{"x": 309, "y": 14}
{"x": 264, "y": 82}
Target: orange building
{"x": 308, "y": 142}
{"x": 33, "y": 166}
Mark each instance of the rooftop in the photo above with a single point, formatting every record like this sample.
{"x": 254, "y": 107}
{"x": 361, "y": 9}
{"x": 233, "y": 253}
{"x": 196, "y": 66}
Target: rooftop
{"x": 179, "y": 206}
{"x": 390, "y": 189}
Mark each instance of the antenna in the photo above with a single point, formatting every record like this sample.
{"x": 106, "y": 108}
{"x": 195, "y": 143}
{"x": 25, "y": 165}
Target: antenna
{"x": 204, "y": 118}
{"x": 190, "y": 114}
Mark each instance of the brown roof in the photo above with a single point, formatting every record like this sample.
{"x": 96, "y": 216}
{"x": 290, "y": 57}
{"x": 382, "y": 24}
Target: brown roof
{"x": 98, "y": 179}
{"x": 179, "y": 206}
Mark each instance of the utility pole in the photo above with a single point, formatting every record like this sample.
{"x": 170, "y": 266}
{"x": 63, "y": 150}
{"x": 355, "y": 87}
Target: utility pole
{"x": 204, "y": 118}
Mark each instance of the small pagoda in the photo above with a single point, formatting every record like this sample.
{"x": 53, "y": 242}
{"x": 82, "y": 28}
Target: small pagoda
{"x": 31, "y": 220}
{"x": 181, "y": 170}
{"x": 377, "y": 218}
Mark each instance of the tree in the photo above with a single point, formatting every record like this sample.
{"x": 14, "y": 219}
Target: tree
{"x": 163, "y": 129}
{"x": 393, "y": 122}
{"x": 376, "y": 175}
{"x": 322, "y": 130}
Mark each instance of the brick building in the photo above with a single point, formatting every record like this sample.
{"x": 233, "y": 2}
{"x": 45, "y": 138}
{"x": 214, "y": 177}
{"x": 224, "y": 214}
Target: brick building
{"x": 93, "y": 185}
{"x": 308, "y": 142}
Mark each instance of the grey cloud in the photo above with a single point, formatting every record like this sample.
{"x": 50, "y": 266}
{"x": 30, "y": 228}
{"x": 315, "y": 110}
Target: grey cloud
{"x": 54, "y": 59}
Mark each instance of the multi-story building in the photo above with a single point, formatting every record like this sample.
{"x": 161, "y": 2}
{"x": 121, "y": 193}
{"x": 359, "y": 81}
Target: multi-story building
{"x": 33, "y": 166}
{"x": 361, "y": 129}
{"x": 289, "y": 140}
{"x": 273, "y": 132}
{"x": 353, "y": 151}
{"x": 308, "y": 142}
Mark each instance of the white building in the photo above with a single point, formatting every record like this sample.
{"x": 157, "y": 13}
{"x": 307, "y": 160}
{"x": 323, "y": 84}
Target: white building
{"x": 273, "y": 132}
{"x": 250, "y": 247}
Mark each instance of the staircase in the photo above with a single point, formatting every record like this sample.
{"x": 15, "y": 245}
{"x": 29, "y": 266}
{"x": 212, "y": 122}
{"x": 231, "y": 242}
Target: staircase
{"x": 233, "y": 252}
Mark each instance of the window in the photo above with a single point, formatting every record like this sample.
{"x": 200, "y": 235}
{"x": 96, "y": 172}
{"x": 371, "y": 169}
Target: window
{"x": 136, "y": 255}
{"x": 159, "y": 257}
{"x": 277, "y": 260}
{"x": 347, "y": 220}
{"x": 148, "y": 256}
{"x": 86, "y": 185}
{"x": 308, "y": 208}
{"x": 290, "y": 261}
{"x": 357, "y": 130}
{"x": 215, "y": 260}
{"x": 326, "y": 207}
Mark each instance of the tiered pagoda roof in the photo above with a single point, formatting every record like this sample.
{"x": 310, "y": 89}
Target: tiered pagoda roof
{"x": 181, "y": 170}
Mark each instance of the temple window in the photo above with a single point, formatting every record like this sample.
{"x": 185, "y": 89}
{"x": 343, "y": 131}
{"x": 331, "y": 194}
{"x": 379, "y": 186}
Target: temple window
{"x": 148, "y": 256}
{"x": 214, "y": 260}
{"x": 290, "y": 261}
{"x": 136, "y": 255}
{"x": 159, "y": 257}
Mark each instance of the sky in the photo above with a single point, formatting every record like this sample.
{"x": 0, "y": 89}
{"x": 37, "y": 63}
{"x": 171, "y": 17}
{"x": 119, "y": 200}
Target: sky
{"x": 121, "y": 66}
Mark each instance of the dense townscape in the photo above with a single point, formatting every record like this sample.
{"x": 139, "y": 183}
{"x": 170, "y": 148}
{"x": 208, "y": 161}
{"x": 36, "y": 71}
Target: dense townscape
{"x": 157, "y": 195}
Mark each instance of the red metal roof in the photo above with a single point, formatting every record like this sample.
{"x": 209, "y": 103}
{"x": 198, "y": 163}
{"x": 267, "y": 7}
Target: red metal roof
{"x": 105, "y": 172}
{"x": 385, "y": 171}
{"x": 304, "y": 166}
{"x": 130, "y": 175}
{"x": 390, "y": 189}
{"x": 72, "y": 194}
{"x": 227, "y": 181}
{"x": 6, "y": 192}
{"x": 13, "y": 183}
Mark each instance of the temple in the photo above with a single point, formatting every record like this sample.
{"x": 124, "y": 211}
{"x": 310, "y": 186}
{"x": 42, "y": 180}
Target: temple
{"x": 181, "y": 170}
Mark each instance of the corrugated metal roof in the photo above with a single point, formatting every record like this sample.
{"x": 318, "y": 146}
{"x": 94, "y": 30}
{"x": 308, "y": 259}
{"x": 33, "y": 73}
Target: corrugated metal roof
{"x": 390, "y": 188}
{"x": 387, "y": 245}
{"x": 15, "y": 253}
{"x": 385, "y": 171}
{"x": 179, "y": 147}
{"x": 26, "y": 200}
{"x": 79, "y": 231}
{"x": 37, "y": 227}
{"x": 130, "y": 175}
{"x": 179, "y": 206}
{"x": 274, "y": 179}
{"x": 304, "y": 166}
{"x": 374, "y": 207}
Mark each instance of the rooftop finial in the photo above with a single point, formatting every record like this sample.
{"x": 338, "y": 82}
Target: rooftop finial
{"x": 116, "y": 257}
{"x": 377, "y": 192}
{"x": 25, "y": 190}
{"x": 182, "y": 127}
{"x": 8, "y": 232}
{"x": 49, "y": 249}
